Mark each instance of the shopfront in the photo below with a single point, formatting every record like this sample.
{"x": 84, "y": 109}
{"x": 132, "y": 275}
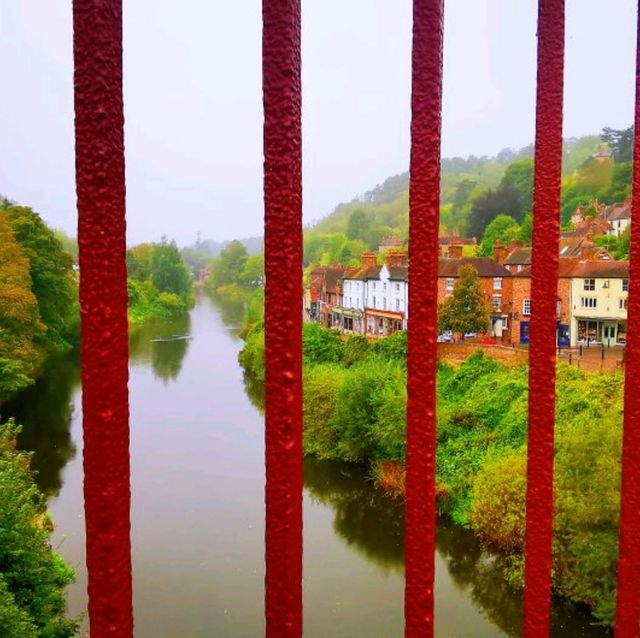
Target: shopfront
{"x": 382, "y": 323}
{"x": 604, "y": 331}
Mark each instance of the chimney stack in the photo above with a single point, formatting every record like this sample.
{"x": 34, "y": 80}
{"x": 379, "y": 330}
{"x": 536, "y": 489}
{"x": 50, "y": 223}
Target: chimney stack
{"x": 368, "y": 260}
{"x": 396, "y": 259}
{"x": 499, "y": 252}
{"x": 455, "y": 250}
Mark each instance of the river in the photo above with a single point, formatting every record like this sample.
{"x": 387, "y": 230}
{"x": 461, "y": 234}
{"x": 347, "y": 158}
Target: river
{"x": 197, "y": 478}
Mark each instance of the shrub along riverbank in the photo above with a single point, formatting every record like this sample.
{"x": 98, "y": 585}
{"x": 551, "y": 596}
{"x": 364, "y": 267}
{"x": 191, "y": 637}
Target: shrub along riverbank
{"x": 354, "y": 410}
{"x": 159, "y": 282}
{"x": 33, "y": 576}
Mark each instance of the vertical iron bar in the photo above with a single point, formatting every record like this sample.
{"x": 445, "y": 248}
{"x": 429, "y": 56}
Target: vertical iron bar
{"x": 424, "y": 190}
{"x": 283, "y": 316}
{"x": 544, "y": 278}
{"x": 100, "y": 185}
{"x": 628, "y": 594}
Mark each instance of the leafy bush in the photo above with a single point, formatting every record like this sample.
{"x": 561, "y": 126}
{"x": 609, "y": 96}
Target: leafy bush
{"x": 321, "y": 345}
{"x": 32, "y": 576}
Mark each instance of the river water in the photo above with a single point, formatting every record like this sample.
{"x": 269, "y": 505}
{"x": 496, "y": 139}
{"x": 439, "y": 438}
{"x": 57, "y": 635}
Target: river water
{"x": 197, "y": 506}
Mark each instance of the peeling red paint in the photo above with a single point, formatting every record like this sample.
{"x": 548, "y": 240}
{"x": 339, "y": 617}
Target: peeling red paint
{"x": 283, "y": 316}
{"x": 103, "y": 298}
{"x": 542, "y": 371}
{"x": 424, "y": 189}
{"x": 628, "y": 595}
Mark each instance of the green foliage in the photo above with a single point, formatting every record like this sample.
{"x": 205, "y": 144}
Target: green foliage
{"x": 620, "y": 141}
{"x": 507, "y": 199}
{"x": 466, "y": 310}
{"x": 168, "y": 271}
{"x": 503, "y": 228}
{"x": 252, "y": 274}
{"x": 33, "y": 576}
{"x": 228, "y": 267}
{"x": 251, "y": 357}
{"x": 52, "y": 278}
{"x": 70, "y": 244}
{"x": 359, "y": 225}
{"x": 321, "y": 345}
{"x": 520, "y": 175}
{"x": 20, "y": 325}
{"x": 159, "y": 283}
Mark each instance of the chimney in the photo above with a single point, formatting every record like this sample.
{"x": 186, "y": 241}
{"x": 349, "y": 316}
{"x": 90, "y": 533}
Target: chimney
{"x": 587, "y": 250}
{"x": 499, "y": 252}
{"x": 455, "y": 250}
{"x": 368, "y": 260}
{"x": 396, "y": 259}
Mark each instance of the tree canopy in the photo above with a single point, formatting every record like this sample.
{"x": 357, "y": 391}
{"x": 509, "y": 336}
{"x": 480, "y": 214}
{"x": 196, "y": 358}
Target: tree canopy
{"x": 466, "y": 310}
{"x": 503, "y": 228}
{"x": 20, "y": 324}
{"x": 53, "y": 280}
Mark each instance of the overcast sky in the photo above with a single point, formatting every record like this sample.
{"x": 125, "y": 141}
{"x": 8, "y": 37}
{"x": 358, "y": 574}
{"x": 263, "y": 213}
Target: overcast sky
{"x": 193, "y": 108}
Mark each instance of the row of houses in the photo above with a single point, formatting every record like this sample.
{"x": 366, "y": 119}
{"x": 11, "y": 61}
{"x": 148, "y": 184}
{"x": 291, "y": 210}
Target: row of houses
{"x": 373, "y": 299}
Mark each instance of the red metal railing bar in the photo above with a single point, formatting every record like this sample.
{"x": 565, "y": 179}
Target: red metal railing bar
{"x": 628, "y": 595}
{"x": 424, "y": 190}
{"x": 100, "y": 188}
{"x": 542, "y": 367}
{"x": 283, "y": 316}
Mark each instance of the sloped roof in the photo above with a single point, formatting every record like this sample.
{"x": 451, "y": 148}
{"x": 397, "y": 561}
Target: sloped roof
{"x": 587, "y": 269}
{"x": 367, "y": 272}
{"x": 486, "y": 267}
{"x": 519, "y": 256}
{"x": 398, "y": 273}
{"x": 619, "y": 212}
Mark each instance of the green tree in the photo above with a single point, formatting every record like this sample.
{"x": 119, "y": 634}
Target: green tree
{"x": 253, "y": 272}
{"x": 139, "y": 261}
{"x": 227, "y": 268}
{"x": 20, "y": 325}
{"x": 526, "y": 229}
{"x": 506, "y": 199}
{"x": 53, "y": 280}
{"x": 359, "y": 224}
{"x": 168, "y": 271}
{"x": 466, "y": 310}
{"x": 503, "y": 228}
{"x": 520, "y": 175}
{"x": 620, "y": 142}
{"x": 33, "y": 577}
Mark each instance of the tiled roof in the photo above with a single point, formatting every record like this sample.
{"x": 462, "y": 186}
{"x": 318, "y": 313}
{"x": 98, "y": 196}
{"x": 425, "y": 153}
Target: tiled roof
{"x": 519, "y": 256}
{"x": 370, "y": 272}
{"x": 619, "y": 212}
{"x": 398, "y": 273}
{"x": 587, "y": 269}
{"x": 486, "y": 267}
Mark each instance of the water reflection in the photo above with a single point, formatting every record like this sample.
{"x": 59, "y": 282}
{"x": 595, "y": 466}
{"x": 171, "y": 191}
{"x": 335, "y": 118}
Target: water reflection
{"x": 154, "y": 343}
{"x": 45, "y": 411}
{"x": 373, "y": 525}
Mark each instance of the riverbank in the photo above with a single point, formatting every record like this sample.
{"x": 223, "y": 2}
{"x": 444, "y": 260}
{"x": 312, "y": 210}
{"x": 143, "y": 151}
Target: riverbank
{"x": 354, "y": 410}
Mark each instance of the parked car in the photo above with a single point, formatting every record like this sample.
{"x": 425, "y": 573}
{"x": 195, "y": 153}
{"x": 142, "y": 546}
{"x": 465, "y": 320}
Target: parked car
{"x": 445, "y": 337}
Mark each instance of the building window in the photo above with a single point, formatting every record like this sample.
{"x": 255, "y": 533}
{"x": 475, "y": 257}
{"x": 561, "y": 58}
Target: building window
{"x": 526, "y": 306}
{"x": 449, "y": 284}
{"x": 397, "y": 287}
{"x": 384, "y": 303}
{"x": 374, "y": 301}
{"x": 496, "y": 302}
{"x": 384, "y": 286}
{"x": 625, "y": 285}
{"x": 519, "y": 268}
{"x": 397, "y": 304}
{"x": 623, "y": 304}
{"x": 374, "y": 285}
{"x": 497, "y": 283}
{"x": 588, "y": 302}
{"x": 589, "y": 284}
